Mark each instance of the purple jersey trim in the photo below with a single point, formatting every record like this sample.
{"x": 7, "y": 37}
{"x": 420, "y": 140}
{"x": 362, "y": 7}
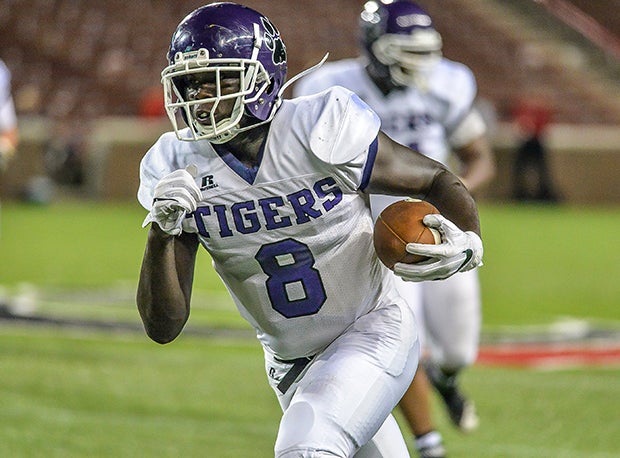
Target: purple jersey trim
{"x": 245, "y": 172}
{"x": 372, "y": 154}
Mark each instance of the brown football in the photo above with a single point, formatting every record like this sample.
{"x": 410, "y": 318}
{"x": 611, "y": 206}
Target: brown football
{"x": 401, "y": 223}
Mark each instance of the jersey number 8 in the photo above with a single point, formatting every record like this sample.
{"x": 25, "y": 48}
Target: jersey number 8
{"x": 294, "y": 286}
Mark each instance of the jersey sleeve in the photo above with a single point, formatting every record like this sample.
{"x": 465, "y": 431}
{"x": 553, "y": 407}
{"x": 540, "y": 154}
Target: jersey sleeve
{"x": 153, "y": 167}
{"x": 471, "y": 127}
{"x": 464, "y": 124}
{"x": 457, "y": 84}
{"x": 8, "y": 118}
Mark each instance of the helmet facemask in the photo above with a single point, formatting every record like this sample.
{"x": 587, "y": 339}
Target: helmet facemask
{"x": 409, "y": 57}
{"x": 400, "y": 41}
{"x": 253, "y": 81}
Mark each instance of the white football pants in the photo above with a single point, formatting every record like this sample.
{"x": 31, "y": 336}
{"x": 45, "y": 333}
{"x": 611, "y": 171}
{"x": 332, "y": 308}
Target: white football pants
{"x": 448, "y": 313}
{"x": 340, "y": 405}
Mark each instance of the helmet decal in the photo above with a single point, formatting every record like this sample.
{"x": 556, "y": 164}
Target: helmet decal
{"x": 274, "y": 42}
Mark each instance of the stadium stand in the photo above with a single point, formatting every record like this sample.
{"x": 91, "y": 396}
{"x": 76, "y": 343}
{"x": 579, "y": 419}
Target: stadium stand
{"x": 98, "y": 58}
{"x": 97, "y": 61}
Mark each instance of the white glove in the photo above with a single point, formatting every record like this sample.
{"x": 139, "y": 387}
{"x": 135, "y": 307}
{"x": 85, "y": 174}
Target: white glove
{"x": 175, "y": 195}
{"x": 459, "y": 252}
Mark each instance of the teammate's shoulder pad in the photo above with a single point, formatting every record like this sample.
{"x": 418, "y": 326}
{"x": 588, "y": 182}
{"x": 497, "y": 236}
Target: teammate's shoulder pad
{"x": 330, "y": 74}
{"x": 456, "y": 75}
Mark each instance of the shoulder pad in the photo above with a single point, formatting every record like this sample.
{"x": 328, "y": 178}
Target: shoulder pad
{"x": 344, "y": 128}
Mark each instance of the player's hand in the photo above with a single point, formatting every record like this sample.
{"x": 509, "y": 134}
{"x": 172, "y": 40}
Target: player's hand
{"x": 459, "y": 252}
{"x": 175, "y": 195}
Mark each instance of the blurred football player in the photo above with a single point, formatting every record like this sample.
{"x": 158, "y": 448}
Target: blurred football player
{"x": 8, "y": 119}
{"x": 277, "y": 192}
{"x": 424, "y": 101}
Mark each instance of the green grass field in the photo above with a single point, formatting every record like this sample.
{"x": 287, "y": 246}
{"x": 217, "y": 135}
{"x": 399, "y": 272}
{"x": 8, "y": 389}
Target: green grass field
{"x": 73, "y": 393}
{"x": 542, "y": 263}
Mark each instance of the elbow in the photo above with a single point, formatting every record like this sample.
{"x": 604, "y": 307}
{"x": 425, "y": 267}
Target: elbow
{"x": 160, "y": 338}
{"x": 162, "y": 327}
{"x": 162, "y": 334}
{"x": 163, "y": 320}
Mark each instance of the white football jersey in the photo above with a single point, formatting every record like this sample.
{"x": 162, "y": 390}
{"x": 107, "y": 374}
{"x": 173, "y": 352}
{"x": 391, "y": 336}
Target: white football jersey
{"x": 292, "y": 238}
{"x": 420, "y": 119}
{"x": 8, "y": 119}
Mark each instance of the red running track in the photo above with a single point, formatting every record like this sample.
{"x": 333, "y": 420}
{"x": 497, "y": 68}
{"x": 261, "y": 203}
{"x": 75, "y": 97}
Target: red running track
{"x": 550, "y": 355}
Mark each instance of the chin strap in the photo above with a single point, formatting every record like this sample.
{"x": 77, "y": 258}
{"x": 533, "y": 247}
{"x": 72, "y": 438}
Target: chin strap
{"x": 299, "y": 75}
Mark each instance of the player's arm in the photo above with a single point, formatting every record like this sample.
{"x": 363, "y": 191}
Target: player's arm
{"x": 167, "y": 273}
{"x": 470, "y": 143}
{"x": 478, "y": 163}
{"x": 165, "y": 285}
{"x": 8, "y": 145}
{"x": 400, "y": 171}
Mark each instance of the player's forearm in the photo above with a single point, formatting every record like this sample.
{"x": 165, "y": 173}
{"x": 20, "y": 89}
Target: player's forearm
{"x": 162, "y": 298}
{"x": 8, "y": 144}
{"x": 453, "y": 201}
{"x": 478, "y": 178}
{"x": 10, "y": 137}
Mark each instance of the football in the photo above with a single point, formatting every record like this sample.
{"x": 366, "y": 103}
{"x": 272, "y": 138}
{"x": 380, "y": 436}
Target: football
{"x": 401, "y": 223}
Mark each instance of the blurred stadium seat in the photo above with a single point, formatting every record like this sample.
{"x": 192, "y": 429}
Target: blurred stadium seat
{"x": 97, "y": 58}
{"x": 88, "y": 60}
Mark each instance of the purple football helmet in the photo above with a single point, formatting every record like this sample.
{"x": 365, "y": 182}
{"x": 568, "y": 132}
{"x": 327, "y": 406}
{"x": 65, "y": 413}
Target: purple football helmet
{"x": 216, "y": 41}
{"x": 399, "y": 40}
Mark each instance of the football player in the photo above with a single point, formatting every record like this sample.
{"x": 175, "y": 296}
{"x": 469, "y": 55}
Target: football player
{"x": 424, "y": 101}
{"x": 8, "y": 119}
{"x": 277, "y": 192}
